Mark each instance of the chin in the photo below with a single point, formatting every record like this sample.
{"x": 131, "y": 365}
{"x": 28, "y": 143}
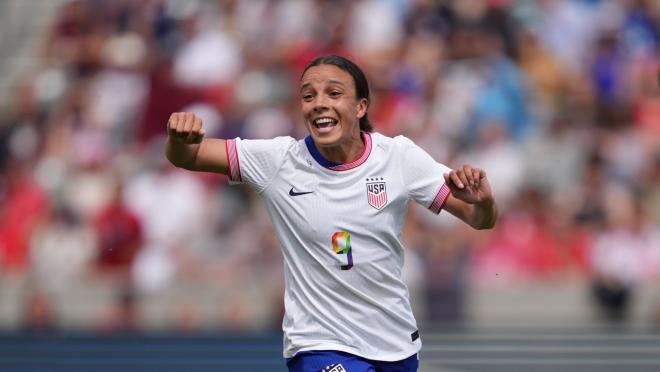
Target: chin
{"x": 328, "y": 140}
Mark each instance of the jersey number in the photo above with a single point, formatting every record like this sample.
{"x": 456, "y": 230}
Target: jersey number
{"x": 341, "y": 244}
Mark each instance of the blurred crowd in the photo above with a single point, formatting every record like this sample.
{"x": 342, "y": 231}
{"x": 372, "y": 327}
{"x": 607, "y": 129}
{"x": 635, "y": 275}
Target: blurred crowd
{"x": 558, "y": 100}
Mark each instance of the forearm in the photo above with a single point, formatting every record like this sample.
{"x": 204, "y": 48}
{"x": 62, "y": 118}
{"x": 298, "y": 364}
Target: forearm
{"x": 483, "y": 215}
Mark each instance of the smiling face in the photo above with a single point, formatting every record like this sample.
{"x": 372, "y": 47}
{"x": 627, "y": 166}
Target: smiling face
{"x": 331, "y": 109}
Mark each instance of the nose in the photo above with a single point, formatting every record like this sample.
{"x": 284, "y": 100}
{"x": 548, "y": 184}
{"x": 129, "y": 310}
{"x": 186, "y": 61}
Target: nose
{"x": 320, "y": 108}
{"x": 320, "y": 104}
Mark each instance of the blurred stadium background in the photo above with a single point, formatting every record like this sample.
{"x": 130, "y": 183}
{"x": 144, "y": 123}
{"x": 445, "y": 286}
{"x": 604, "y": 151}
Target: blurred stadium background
{"x": 111, "y": 259}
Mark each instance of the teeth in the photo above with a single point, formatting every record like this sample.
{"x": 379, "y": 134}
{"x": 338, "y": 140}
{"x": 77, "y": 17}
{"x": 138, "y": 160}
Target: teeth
{"x": 324, "y": 121}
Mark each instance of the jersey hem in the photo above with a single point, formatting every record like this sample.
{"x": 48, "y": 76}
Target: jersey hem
{"x": 379, "y": 357}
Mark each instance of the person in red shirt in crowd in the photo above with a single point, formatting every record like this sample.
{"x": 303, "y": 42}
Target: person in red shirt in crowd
{"x": 119, "y": 235}
{"x": 22, "y": 204}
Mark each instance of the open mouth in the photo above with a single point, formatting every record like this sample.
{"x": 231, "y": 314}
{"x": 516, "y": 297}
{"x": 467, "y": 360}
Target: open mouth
{"x": 324, "y": 124}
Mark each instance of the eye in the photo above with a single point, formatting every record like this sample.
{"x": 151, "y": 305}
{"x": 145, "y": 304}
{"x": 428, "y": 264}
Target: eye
{"x": 307, "y": 97}
{"x": 335, "y": 93}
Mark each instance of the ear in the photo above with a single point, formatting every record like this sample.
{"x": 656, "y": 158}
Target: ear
{"x": 363, "y": 105}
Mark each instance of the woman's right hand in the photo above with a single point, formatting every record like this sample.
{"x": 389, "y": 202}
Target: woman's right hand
{"x": 187, "y": 148}
{"x": 185, "y": 127}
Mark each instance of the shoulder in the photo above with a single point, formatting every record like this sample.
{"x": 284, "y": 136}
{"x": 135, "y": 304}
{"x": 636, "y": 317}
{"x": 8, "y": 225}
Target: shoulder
{"x": 285, "y": 142}
{"x": 411, "y": 153}
{"x": 403, "y": 141}
{"x": 398, "y": 147}
{"x": 398, "y": 143}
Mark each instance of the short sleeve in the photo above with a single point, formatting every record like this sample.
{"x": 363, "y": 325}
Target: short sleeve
{"x": 256, "y": 162}
{"x": 423, "y": 176}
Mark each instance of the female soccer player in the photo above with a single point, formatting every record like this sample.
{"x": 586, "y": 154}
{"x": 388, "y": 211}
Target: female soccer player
{"x": 338, "y": 200}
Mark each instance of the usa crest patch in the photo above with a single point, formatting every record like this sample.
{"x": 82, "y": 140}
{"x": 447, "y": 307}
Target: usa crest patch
{"x": 376, "y": 192}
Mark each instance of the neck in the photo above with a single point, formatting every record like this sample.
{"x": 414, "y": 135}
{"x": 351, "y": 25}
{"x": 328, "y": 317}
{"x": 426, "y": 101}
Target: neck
{"x": 344, "y": 152}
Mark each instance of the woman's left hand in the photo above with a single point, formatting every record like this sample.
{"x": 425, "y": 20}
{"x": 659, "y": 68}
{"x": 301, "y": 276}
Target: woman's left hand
{"x": 469, "y": 184}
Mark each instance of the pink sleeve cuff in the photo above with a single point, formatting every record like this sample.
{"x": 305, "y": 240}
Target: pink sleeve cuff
{"x": 440, "y": 199}
{"x": 234, "y": 167}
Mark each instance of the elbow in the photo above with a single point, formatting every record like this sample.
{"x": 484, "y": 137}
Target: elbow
{"x": 179, "y": 162}
{"x": 485, "y": 226}
{"x": 182, "y": 165}
{"x": 175, "y": 162}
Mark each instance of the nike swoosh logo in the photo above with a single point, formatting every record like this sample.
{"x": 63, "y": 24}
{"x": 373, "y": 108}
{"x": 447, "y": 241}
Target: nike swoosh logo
{"x": 293, "y": 193}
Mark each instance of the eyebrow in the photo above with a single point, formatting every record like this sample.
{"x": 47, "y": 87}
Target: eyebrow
{"x": 329, "y": 82}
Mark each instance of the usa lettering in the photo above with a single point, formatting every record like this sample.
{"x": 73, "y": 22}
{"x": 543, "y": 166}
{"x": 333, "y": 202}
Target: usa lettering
{"x": 376, "y": 188}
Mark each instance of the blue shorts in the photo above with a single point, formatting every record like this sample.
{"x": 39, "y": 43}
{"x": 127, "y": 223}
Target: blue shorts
{"x": 337, "y": 361}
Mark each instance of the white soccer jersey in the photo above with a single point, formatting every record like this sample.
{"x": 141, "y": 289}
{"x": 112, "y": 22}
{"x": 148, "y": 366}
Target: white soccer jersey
{"x": 339, "y": 226}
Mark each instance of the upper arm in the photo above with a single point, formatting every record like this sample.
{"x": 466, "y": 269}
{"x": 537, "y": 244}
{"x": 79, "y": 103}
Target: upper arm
{"x": 256, "y": 162}
{"x": 422, "y": 175}
{"x": 211, "y": 156}
{"x": 251, "y": 161}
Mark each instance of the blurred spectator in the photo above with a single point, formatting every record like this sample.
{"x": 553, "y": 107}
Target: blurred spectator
{"x": 24, "y": 202}
{"x": 608, "y": 70}
{"x": 171, "y": 205}
{"x": 121, "y": 315}
{"x": 545, "y": 75}
{"x": 503, "y": 97}
{"x": 62, "y": 248}
{"x": 375, "y": 27}
{"x": 651, "y": 189}
{"x": 589, "y": 199}
{"x": 554, "y": 155}
{"x": 209, "y": 57}
{"x": 554, "y": 19}
{"x": 38, "y": 313}
{"x": 119, "y": 235}
{"x": 165, "y": 96}
{"x": 445, "y": 265}
{"x": 529, "y": 246}
{"x": 502, "y": 157}
{"x": 624, "y": 255}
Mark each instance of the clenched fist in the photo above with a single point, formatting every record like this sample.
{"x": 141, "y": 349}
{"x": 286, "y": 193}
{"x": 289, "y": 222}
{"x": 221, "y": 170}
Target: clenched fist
{"x": 185, "y": 127}
{"x": 469, "y": 184}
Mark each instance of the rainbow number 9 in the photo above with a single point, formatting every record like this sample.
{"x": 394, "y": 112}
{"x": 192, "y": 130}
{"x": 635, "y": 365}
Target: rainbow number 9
{"x": 341, "y": 244}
